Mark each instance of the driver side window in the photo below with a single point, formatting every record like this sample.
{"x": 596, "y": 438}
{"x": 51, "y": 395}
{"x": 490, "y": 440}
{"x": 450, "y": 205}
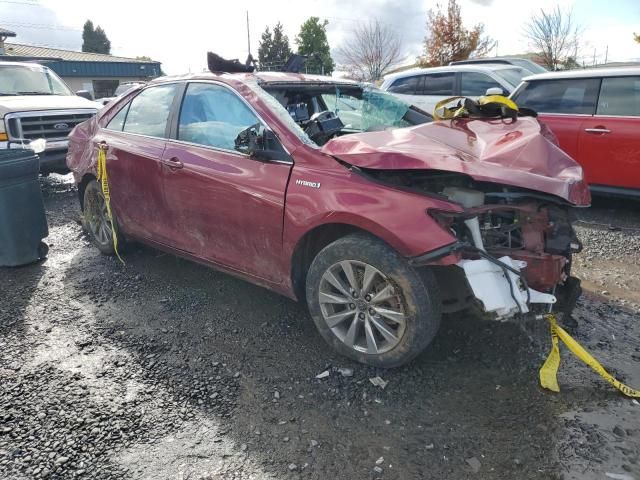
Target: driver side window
{"x": 212, "y": 115}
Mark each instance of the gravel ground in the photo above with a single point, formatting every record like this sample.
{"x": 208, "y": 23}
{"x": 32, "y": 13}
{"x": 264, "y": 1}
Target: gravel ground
{"x": 163, "y": 369}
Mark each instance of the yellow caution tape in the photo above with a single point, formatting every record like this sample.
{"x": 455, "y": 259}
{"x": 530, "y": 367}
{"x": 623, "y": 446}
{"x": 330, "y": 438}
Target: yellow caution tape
{"x": 104, "y": 182}
{"x": 549, "y": 370}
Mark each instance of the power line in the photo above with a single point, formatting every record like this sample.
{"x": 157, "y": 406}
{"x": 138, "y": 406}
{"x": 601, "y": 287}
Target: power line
{"x": 41, "y": 26}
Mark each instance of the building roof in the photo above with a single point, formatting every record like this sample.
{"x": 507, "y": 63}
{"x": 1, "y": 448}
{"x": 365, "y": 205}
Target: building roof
{"x": 21, "y": 50}
{"x": 586, "y": 73}
{"x": 6, "y": 33}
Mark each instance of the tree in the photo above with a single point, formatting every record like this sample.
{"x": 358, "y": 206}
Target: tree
{"x": 94, "y": 40}
{"x": 554, "y": 35}
{"x": 448, "y": 40}
{"x": 312, "y": 41}
{"x": 636, "y": 37}
{"x": 264, "y": 49}
{"x": 274, "y": 49}
{"x": 370, "y": 51}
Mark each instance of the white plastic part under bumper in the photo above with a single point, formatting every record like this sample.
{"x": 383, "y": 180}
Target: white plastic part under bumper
{"x": 490, "y": 284}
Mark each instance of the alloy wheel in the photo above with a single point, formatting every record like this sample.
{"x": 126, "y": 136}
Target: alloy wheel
{"x": 362, "y": 307}
{"x": 97, "y": 218}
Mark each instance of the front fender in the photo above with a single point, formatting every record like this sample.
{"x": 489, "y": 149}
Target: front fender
{"x": 398, "y": 217}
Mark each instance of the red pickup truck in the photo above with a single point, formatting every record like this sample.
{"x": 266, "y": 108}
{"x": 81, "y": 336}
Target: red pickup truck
{"x": 595, "y": 114}
{"x": 341, "y": 196}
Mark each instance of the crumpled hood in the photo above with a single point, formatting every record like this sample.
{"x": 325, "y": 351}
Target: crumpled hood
{"x": 518, "y": 153}
{"x": 26, "y": 103}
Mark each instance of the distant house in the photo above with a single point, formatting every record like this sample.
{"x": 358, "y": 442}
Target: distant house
{"x": 96, "y": 72}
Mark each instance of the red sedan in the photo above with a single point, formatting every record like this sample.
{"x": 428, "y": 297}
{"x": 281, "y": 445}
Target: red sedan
{"x": 341, "y": 196}
{"x": 595, "y": 114}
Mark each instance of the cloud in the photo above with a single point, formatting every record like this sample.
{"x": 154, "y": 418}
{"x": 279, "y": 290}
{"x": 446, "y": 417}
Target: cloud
{"x": 409, "y": 21}
{"x": 39, "y": 25}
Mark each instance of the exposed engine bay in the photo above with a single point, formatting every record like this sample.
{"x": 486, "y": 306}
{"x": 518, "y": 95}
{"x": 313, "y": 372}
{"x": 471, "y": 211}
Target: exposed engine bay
{"x": 503, "y": 233}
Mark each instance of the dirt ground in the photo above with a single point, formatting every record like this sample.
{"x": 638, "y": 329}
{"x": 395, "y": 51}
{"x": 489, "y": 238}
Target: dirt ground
{"x": 164, "y": 369}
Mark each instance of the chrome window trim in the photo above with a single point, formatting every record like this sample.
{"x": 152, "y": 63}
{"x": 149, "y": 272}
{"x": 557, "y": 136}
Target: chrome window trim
{"x": 208, "y": 147}
{"x": 225, "y": 150}
{"x": 566, "y": 114}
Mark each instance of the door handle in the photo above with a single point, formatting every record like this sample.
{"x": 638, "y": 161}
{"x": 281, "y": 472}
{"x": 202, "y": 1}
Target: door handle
{"x": 173, "y": 163}
{"x": 597, "y": 130}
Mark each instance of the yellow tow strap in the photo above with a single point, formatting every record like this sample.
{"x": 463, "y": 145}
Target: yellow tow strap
{"x": 104, "y": 183}
{"x": 448, "y": 113}
{"x": 469, "y": 107}
{"x": 549, "y": 371}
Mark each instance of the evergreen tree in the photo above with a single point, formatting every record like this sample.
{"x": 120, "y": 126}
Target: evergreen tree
{"x": 280, "y": 50}
{"x": 94, "y": 40}
{"x": 274, "y": 49}
{"x": 264, "y": 49}
{"x": 312, "y": 41}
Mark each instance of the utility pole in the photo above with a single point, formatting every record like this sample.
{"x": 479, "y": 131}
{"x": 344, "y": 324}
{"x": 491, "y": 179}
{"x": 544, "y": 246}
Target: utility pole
{"x": 594, "y": 57}
{"x": 248, "y": 36}
{"x": 606, "y": 55}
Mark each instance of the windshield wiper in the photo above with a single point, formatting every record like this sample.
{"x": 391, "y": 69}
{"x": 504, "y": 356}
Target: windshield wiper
{"x": 34, "y": 93}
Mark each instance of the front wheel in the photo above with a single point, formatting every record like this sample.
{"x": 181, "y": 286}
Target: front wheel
{"x": 96, "y": 220}
{"x": 369, "y": 304}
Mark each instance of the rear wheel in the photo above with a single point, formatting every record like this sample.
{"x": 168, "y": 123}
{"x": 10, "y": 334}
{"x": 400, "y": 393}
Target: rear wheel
{"x": 370, "y": 304}
{"x": 96, "y": 219}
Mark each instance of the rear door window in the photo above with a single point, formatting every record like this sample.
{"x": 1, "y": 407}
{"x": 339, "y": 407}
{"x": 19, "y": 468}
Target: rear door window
{"x": 149, "y": 111}
{"x": 570, "y": 96}
{"x": 474, "y": 84}
{"x": 620, "y": 97}
{"x": 406, "y": 86}
{"x": 213, "y": 115}
{"x": 440, "y": 84}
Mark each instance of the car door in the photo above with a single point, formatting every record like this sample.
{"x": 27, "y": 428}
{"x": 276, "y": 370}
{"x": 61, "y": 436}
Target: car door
{"x": 563, "y": 105}
{"x": 136, "y": 139}
{"x": 223, "y": 206}
{"x": 434, "y": 88}
{"x": 609, "y": 145}
{"x": 406, "y": 88}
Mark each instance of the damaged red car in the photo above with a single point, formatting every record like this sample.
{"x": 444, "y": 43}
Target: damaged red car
{"x": 341, "y": 196}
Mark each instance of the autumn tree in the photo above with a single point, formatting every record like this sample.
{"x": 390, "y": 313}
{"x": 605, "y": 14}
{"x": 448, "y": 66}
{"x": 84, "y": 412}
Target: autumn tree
{"x": 312, "y": 41}
{"x": 94, "y": 40}
{"x": 448, "y": 40}
{"x": 554, "y": 35}
{"x": 636, "y": 37}
{"x": 274, "y": 49}
{"x": 370, "y": 51}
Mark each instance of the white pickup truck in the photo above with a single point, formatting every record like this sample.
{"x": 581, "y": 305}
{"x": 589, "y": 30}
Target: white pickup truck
{"x": 36, "y": 104}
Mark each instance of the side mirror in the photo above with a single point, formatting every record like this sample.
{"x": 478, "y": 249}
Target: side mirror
{"x": 260, "y": 144}
{"x": 494, "y": 91}
{"x": 85, "y": 94}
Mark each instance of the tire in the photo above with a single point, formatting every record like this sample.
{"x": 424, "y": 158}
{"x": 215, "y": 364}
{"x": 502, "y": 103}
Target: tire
{"x": 96, "y": 222}
{"x": 402, "y": 302}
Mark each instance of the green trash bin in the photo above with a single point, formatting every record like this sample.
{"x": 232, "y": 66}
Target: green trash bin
{"x": 23, "y": 223}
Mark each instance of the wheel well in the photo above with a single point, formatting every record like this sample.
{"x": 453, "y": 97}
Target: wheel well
{"x": 82, "y": 186}
{"x": 310, "y": 245}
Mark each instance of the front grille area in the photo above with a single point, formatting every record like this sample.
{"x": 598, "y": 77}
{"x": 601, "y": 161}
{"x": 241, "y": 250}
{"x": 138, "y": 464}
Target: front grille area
{"x": 48, "y": 126}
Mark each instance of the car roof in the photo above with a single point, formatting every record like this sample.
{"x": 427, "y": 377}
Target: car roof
{"x": 451, "y": 68}
{"x": 585, "y": 73}
{"x": 263, "y": 77}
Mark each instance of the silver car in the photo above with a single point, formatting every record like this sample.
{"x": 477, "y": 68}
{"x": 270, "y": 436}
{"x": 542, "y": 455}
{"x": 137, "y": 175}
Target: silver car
{"x": 425, "y": 87}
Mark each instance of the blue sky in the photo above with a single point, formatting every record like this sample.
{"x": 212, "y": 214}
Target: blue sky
{"x": 180, "y": 36}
